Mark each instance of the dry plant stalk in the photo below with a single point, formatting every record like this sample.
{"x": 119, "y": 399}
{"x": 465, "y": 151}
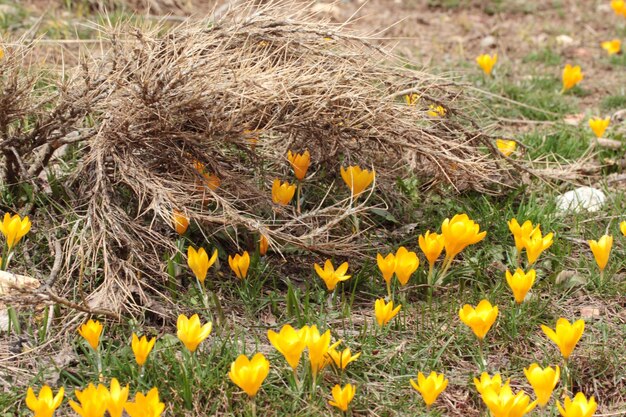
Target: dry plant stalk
{"x": 160, "y": 100}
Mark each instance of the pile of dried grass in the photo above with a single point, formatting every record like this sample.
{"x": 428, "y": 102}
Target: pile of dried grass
{"x": 161, "y": 100}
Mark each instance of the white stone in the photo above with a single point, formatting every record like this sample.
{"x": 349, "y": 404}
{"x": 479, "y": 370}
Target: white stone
{"x": 583, "y": 198}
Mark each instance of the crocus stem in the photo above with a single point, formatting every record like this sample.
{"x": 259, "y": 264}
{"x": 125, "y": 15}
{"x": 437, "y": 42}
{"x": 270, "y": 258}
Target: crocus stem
{"x": 446, "y": 265}
{"x": 298, "y": 192}
{"x": 98, "y": 362}
{"x": 355, "y": 220}
{"x": 203, "y": 294}
{"x": 296, "y": 379}
{"x": 389, "y": 288}
{"x": 253, "y": 406}
{"x": 482, "y": 364}
{"x": 140, "y": 377}
{"x": 568, "y": 376}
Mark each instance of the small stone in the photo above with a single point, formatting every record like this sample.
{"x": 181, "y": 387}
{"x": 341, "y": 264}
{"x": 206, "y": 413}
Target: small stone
{"x": 564, "y": 40}
{"x": 488, "y": 42}
{"x": 589, "y": 312}
{"x": 582, "y": 198}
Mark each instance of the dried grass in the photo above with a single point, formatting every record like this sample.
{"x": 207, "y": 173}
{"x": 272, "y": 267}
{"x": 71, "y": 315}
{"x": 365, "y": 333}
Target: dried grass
{"x": 159, "y": 100}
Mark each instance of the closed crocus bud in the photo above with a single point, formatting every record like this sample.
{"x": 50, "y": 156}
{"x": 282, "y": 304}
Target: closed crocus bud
{"x": 263, "y": 245}
{"x": 387, "y": 266}
{"x": 343, "y": 358}
{"x": 599, "y": 125}
{"x": 117, "y": 399}
{"x": 330, "y": 275}
{"x": 520, "y": 283}
{"x": 506, "y": 147}
{"x": 479, "y": 319}
{"x": 543, "y": 381}
{"x": 486, "y": 62}
{"x": 406, "y": 264}
{"x": 45, "y": 404}
{"x": 249, "y": 374}
{"x": 536, "y": 244}
{"x": 92, "y": 401}
{"x": 505, "y": 404}
{"x": 342, "y": 396}
{"x": 146, "y": 405}
{"x": 565, "y": 335}
{"x": 459, "y": 233}
{"x": 429, "y": 387}
{"x": 142, "y": 348}
{"x": 282, "y": 192}
{"x": 521, "y": 233}
{"x": 571, "y": 76}
{"x": 14, "y": 228}
{"x": 612, "y": 47}
{"x": 601, "y": 250}
{"x": 487, "y": 382}
{"x": 180, "y": 221}
{"x": 431, "y": 245}
{"x": 190, "y": 332}
{"x": 199, "y": 262}
{"x": 357, "y": 179}
{"x": 91, "y": 332}
{"x": 240, "y": 264}
{"x": 290, "y": 343}
{"x": 300, "y": 163}
{"x": 578, "y": 407}
{"x": 622, "y": 227}
{"x": 385, "y": 311}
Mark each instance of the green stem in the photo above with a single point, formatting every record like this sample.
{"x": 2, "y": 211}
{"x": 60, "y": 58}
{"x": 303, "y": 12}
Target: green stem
{"x": 568, "y": 377}
{"x": 447, "y": 262}
{"x": 99, "y": 362}
{"x": 389, "y": 288}
{"x": 483, "y": 363}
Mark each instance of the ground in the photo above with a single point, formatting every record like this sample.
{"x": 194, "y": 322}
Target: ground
{"x": 522, "y": 100}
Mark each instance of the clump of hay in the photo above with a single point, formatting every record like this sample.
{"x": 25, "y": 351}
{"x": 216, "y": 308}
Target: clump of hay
{"x": 233, "y": 97}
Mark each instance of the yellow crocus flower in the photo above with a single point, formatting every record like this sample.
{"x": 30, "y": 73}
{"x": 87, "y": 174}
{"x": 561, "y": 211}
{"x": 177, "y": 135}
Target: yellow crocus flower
{"x": 180, "y": 221}
{"x": 612, "y": 47}
{"x": 431, "y": 245}
{"x": 579, "y": 406}
{"x": 520, "y": 283}
{"x": 300, "y": 163}
{"x": 92, "y": 401}
{"x": 342, "y": 396}
{"x": 117, "y": 398}
{"x": 263, "y": 245}
{"x": 91, "y": 332}
{"x": 436, "y": 110}
{"x": 199, "y": 262}
{"x": 249, "y": 374}
{"x": 487, "y": 382}
{"x": 535, "y": 244}
{"x": 240, "y": 264}
{"x": 318, "y": 345}
{"x": 387, "y": 266}
{"x": 601, "y": 250}
{"x": 282, "y": 192}
{"x": 332, "y": 276}
{"x": 343, "y": 358}
{"x": 479, "y": 319}
{"x": 146, "y": 405}
{"x": 543, "y": 381}
{"x": 290, "y": 343}
{"x": 190, "y": 332}
{"x": 45, "y": 404}
{"x": 459, "y": 233}
{"x": 486, "y": 62}
{"x": 357, "y": 179}
{"x": 429, "y": 387}
{"x": 599, "y": 125}
{"x": 506, "y": 147}
{"x": 622, "y": 227}
{"x": 406, "y": 264}
{"x": 505, "y": 404}
{"x": 14, "y": 228}
{"x": 385, "y": 311}
{"x": 521, "y": 233}
{"x": 571, "y": 76}
{"x": 565, "y": 335}
{"x": 142, "y": 348}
